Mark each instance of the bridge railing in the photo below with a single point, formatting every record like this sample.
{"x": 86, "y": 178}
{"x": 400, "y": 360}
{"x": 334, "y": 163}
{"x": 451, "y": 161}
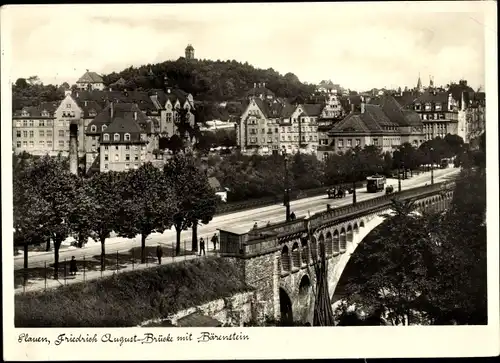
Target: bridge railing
{"x": 348, "y": 210}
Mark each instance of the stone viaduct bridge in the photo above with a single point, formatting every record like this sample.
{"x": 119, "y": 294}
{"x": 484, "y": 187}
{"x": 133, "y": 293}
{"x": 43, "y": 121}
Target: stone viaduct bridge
{"x": 278, "y": 260}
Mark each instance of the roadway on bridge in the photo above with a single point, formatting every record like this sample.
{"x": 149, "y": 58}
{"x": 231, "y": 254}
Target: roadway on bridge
{"x": 239, "y": 221}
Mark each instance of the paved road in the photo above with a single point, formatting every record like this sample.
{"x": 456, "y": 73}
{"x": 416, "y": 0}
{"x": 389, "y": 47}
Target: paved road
{"x": 242, "y": 221}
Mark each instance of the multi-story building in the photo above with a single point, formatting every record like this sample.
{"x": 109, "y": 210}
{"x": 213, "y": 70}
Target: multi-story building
{"x": 299, "y": 130}
{"x": 90, "y": 81}
{"x": 475, "y": 115}
{"x": 33, "y": 129}
{"x": 383, "y": 123}
{"x": 258, "y": 129}
{"x": 119, "y": 138}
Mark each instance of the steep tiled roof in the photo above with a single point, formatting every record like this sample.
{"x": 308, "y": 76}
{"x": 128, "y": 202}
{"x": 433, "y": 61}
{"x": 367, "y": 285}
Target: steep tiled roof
{"x": 287, "y": 111}
{"x": 36, "y": 111}
{"x": 89, "y": 107}
{"x": 313, "y": 109}
{"x": 395, "y": 112}
{"x": 373, "y": 119}
{"x": 352, "y": 123}
{"x": 142, "y": 99}
{"x": 432, "y": 97}
{"x": 90, "y": 77}
{"x": 121, "y": 110}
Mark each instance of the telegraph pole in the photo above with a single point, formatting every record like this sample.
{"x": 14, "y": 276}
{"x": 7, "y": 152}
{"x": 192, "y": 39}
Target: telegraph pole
{"x": 432, "y": 165}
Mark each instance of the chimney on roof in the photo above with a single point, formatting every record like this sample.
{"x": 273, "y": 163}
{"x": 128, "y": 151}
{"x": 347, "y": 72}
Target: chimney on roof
{"x": 85, "y": 103}
{"x": 111, "y": 109}
{"x": 264, "y": 84}
{"x": 135, "y": 115}
{"x": 362, "y": 104}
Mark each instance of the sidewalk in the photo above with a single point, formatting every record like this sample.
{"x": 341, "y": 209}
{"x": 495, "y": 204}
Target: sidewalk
{"x": 42, "y": 278}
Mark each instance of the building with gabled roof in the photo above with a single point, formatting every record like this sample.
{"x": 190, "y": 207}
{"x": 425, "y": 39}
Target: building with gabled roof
{"x": 383, "y": 123}
{"x": 90, "y": 81}
{"x": 120, "y": 137}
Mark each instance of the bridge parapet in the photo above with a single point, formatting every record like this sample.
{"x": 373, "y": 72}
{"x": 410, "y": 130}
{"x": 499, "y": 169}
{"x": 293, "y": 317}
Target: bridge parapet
{"x": 268, "y": 239}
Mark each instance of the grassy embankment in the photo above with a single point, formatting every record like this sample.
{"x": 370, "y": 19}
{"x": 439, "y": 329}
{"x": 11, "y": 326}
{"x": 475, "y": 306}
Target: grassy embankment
{"x": 128, "y": 299}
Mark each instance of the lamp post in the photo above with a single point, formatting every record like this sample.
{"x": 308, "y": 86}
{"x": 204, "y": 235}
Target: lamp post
{"x": 432, "y": 165}
{"x": 353, "y": 179}
{"x": 286, "y": 198}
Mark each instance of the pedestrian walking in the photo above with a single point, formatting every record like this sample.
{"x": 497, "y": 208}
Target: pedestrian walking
{"x": 159, "y": 253}
{"x": 292, "y": 216}
{"x": 255, "y": 226}
{"x": 215, "y": 240}
{"x": 202, "y": 246}
{"x": 72, "y": 266}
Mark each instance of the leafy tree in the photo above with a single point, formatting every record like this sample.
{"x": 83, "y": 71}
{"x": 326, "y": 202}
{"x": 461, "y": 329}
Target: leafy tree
{"x": 29, "y": 213}
{"x": 147, "y": 203}
{"x": 391, "y": 266}
{"x": 105, "y": 189}
{"x": 51, "y": 181}
{"x": 82, "y": 217}
{"x": 21, "y": 83}
{"x": 195, "y": 199}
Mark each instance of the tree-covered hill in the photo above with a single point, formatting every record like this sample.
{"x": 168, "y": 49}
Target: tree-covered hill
{"x": 209, "y": 80}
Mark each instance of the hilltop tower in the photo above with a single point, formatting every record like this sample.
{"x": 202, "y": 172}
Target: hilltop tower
{"x": 189, "y": 52}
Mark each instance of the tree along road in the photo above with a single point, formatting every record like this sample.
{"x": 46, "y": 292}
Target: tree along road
{"x": 242, "y": 221}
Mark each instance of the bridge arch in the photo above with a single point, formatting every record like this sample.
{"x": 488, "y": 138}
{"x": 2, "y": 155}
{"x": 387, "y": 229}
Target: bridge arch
{"x": 286, "y": 312}
{"x": 295, "y": 256}
{"x": 329, "y": 244}
{"x": 305, "y": 251}
{"x": 342, "y": 240}
{"x": 356, "y": 228}
{"x": 362, "y": 224}
{"x": 285, "y": 259}
{"x": 304, "y": 297}
{"x": 336, "y": 241}
{"x": 349, "y": 235}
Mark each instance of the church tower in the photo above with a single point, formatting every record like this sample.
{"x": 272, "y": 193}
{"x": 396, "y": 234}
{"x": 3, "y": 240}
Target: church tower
{"x": 419, "y": 84}
{"x": 189, "y": 52}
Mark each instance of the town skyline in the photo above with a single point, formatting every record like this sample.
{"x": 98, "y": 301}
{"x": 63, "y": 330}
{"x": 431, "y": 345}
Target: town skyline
{"x": 423, "y": 41}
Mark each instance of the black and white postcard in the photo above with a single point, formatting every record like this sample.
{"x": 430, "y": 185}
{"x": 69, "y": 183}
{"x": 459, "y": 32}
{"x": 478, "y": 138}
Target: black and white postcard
{"x": 259, "y": 180}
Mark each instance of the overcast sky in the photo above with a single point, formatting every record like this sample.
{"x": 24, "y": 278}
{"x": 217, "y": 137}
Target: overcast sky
{"x": 358, "y": 45}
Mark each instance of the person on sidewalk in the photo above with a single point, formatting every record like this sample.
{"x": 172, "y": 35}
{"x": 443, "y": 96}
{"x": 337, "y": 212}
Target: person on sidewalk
{"x": 159, "y": 253}
{"x": 215, "y": 240}
{"x": 202, "y": 246}
{"x": 72, "y": 266}
{"x": 292, "y": 216}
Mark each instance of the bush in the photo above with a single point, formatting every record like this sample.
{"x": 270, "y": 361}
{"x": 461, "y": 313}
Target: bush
{"x": 128, "y": 299}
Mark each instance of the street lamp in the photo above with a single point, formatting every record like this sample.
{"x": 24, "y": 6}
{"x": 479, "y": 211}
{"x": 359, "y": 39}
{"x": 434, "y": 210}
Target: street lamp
{"x": 353, "y": 179}
{"x": 286, "y": 198}
{"x": 432, "y": 165}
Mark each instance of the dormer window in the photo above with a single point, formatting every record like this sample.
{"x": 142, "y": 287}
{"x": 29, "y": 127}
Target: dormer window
{"x": 116, "y": 137}
{"x": 427, "y": 106}
{"x": 45, "y": 114}
{"x": 438, "y": 107}
{"x": 126, "y": 137}
{"x": 104, "y": 127}
{"x": 24, "y": 113}
{"x": 417, "y": 106}
{"x": 93, "y": 128}
{"x": 105, "y": 137}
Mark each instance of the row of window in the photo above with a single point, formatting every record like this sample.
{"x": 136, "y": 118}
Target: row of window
{"x": 32, "y": 123}
{"x": 31, "y": 133}
{"x": 25, "y": 113}
{"x": 41, "y": 144}
{"x": 127, "y": 166}
{"x": 127, "y": 147}
{"x": 127, "y": 157}
{"x": 296, "y": 138}
{"x": 340, "y": 142}
{"x": 429, "y": 106}
{"x": 433, "y": 116}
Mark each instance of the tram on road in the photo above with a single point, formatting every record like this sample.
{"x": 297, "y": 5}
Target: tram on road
{"x": 375, "y": 183}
